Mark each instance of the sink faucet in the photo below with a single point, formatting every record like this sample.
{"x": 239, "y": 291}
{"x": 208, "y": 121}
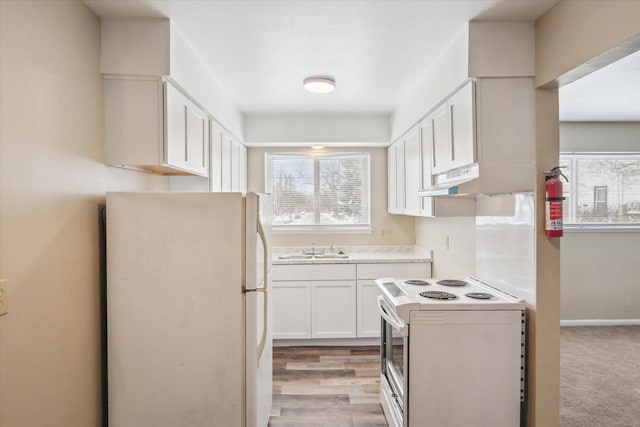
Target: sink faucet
{"x": 313, "y": 250}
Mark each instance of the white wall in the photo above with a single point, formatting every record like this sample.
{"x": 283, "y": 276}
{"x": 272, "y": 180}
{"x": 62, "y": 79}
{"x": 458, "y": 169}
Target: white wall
{"x": 52, "y": 178}
{"x": 370, "y": 130}
{"x": 600, "y": 271}
{"x": 402, "y": 230}
{"x": 453, "y": 243}
{"x": 447, "y": 73}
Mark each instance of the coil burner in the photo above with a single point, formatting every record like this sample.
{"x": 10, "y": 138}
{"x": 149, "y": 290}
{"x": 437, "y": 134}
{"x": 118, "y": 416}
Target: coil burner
{"x": 452, "y": 283}
{"x": 479, "y": 295}
{"x": 438, "y": 295}
{"x": 416, "y": 282}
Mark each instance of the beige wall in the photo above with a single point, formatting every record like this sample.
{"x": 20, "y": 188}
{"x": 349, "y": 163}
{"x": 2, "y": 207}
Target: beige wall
{"x": 402, "y": 229}
{"x": 52, "y": 177}
{"x": 570, "y": 34}
{"x": 591, "y": 262}
{"x": 576, "y": 31}
{"x": 599, "y": 136}
{"x": 600, "y": 273}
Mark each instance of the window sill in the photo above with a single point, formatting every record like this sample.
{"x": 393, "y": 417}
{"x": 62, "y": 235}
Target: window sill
{"x": 609, "y": 228}
{"x": 311, "y": 229}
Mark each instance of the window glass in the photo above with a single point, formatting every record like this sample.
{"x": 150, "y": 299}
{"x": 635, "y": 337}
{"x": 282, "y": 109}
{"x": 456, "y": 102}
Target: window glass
{"x": 319, "y": 191}
{"x": 603, "y": 189}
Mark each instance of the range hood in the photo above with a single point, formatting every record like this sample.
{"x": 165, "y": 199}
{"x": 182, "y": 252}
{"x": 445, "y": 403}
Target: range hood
{"x": 474, "y": 179}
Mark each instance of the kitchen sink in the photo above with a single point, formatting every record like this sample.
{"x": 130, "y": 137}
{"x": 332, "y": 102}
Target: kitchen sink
{"x": 331, "y": 256}
{"x": 295, "y": 256}
{"x": 316, "y": 256}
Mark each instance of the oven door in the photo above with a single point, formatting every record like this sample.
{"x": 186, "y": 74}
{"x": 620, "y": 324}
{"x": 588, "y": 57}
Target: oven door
{"x": 394, "y": 350}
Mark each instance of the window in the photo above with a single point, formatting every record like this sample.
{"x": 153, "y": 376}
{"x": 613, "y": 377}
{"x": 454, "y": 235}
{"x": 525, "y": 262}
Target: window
{"x": 603, "y": 190}
{"x": 319, "y": 192}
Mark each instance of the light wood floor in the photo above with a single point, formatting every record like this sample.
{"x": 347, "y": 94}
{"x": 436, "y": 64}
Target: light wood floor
{"x": 326, "y": 387}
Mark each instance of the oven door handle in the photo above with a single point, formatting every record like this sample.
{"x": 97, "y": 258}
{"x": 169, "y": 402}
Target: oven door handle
{"x": 396, "y": 323}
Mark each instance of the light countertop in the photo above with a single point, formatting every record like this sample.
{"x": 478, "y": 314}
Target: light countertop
{"x": 357, "y": 255}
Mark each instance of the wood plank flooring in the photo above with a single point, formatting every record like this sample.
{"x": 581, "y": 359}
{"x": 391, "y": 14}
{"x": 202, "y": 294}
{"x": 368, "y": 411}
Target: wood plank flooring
{"x": 326, "y": 387}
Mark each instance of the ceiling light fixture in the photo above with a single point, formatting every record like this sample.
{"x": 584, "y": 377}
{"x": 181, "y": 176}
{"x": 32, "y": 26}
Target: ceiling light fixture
{"x": 320, "y": 84}
{"x": 317, "y": 147}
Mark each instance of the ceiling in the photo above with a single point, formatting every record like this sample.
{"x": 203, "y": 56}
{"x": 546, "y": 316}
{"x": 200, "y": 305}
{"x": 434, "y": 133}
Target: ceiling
{"x": 378, "y": 50}
{"x": 609, "y": 94}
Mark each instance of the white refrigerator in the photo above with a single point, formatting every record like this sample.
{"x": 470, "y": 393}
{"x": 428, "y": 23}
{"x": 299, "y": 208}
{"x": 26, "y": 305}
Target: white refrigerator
{"x": 188, "y": 309}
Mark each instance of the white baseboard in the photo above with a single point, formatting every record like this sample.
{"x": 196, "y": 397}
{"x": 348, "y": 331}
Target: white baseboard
{"x": 326, "y": 342}
{"x": 600, "y": 322}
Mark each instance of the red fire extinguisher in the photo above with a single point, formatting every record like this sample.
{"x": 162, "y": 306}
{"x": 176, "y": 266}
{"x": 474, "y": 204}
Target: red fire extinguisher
{"x": 553, "y": 202}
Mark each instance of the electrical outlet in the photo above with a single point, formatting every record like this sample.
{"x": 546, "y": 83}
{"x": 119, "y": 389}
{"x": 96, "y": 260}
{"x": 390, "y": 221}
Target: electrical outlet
{"x": 385, "y": 233}
{"x": 3, "y": 297}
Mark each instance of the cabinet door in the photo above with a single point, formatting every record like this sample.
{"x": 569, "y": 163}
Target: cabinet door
{"x": 291, "y": 310}
{"x": 368, "y": 323}
{"x": 176, "y": 119}
{"x": 197, "y": 141}
{"x": 412, "y": 179}
{"x": 186, "y": 140}
{"x": 242, "y": 168}
{"x": 441, "y": 146}
{"x": 395, "y": 177}
{"x": 215, "y": 162}
{"x": 462, "y": 116}
{"x": 333, "y": 313}
{"x": 225, "y": 160}
{"x": 238, "y": 167}
{"x": 426, "y": 141}
{"x": 391, "y": 180}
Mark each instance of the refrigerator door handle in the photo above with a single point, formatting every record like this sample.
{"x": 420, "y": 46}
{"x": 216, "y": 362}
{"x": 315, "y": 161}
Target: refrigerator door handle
{"x": 264, "y": 289}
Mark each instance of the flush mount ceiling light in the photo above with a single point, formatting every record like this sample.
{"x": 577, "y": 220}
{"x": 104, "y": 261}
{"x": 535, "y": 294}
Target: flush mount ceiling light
{"x": 320, "y": 84}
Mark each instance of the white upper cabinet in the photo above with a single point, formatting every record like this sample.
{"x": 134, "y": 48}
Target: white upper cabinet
{"x": 228, "y": 162}
{"x": 463, "y": 130}
{"x": 426, "y": 142}
{"x": 441, "y": 139}
{"x": 215, "y": 177}
{"x": 411, "y": 165}
{"x": 395, "y": 177}
{"x": 187, "y": 133}
{"x": 412, "y": 178}
{"x": 453, "y": 130}
{"x": 238, "y": 167}
{"x": 152, "y": 125}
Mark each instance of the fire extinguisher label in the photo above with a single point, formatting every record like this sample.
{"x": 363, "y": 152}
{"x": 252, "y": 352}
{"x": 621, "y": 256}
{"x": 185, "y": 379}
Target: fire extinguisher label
{"x": 553, "y": 217}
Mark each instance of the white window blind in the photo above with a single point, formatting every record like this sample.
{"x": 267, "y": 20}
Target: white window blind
{"x": 319, "y": 191}
{"x": 603, "y": 189}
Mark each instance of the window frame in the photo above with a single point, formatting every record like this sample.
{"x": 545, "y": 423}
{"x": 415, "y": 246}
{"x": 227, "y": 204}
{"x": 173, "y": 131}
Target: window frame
{"x": 319, "y": 228}
{"x": 573, "y": 157}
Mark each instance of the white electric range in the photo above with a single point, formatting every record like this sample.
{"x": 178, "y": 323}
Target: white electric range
{"x": 453, "y": 353}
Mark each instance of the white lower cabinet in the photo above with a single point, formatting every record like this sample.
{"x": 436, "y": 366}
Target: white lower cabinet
{"x": 291, "y": 310}
{"x": 331, "y": 301}
{"x": 368, "y": 323}
{"x": 333, "y": 309}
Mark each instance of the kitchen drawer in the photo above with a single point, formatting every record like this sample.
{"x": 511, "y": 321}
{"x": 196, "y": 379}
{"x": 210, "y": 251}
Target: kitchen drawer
{"x": 400, "y": 269}
{"x": 314, "y": 272}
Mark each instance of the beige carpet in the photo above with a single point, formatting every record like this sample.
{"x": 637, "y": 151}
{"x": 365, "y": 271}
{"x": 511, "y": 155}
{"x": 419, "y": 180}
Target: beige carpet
{"x": 600, "y": 376}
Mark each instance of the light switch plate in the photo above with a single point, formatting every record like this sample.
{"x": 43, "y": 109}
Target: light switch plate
{"x": 3, "y": 297}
